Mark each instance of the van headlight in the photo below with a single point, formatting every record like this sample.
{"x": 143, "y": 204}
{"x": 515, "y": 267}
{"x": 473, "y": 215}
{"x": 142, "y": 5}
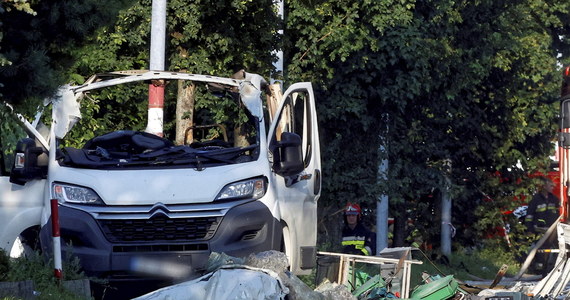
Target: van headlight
{"x": 75, "y": 194}
{"x": 247, "y": 189}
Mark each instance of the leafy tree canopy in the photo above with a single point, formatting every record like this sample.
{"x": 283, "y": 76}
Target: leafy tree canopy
{"x": 452, "y": 89}
{"x": 38, "y": 41}
{"x": 216, "y": 38}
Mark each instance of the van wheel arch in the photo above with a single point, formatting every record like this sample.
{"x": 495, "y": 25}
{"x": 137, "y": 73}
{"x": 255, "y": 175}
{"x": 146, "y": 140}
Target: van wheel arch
{"x": 28, "y": 242}
{"x": 286, "y": 246}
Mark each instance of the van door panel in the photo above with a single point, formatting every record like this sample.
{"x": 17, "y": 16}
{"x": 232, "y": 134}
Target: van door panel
{"x": 298, "y": 194}
{"x": 20, "y": 208}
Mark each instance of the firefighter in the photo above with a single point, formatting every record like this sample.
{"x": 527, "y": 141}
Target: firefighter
{"x": 356, "y": 238}
{"x": 543, "y": 209}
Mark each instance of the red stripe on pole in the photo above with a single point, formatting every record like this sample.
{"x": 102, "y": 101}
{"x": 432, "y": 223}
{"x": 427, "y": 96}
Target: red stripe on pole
{"x": 155, "y": 96}
{"x": 58, "y": 273}
{"x": 54, "y": 218}
{"x": 57, "y": 270}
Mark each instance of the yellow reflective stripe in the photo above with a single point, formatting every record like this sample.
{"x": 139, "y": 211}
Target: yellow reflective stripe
{"x": 541, "y": 207}
{"x": 353, "y": 243}
{"x": 358, "y": 245}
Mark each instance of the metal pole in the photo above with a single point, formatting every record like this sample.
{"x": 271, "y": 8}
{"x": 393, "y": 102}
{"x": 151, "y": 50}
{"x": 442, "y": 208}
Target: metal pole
{"x": 158, "y": 35}
{"x": 382, "y": 202}
{"x": 279, "y": 63}
{"x": 382, "y": 209}
{"x": 157, "y": 49}
{"x": 56, "y": 239}
{"x": 446, "y": 226}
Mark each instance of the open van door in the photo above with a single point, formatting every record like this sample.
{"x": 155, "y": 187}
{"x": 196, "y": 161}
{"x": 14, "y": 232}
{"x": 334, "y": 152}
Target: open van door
{"x": 20, "y": 204}
{"x": 296, "y": 164}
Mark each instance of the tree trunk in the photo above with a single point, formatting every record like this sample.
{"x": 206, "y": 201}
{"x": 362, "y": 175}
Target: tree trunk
{"x": 446, "y": 221}
{"x": 400, "y": 219}
{"x": 240, "y": 139}
{"x": 184, "y": 112}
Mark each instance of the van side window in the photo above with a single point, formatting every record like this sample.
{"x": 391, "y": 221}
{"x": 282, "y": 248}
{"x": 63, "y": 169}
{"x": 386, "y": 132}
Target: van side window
{"x": 296, "y": 118}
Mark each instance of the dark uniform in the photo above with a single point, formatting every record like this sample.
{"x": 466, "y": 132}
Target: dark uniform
{"x": 542, "y": 211}
{"x": 359, "y": 240}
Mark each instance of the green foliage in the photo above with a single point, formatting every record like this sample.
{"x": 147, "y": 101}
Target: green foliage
{"x": 4, "y": 265}
{"x": 37, "y": 268}
{"x": 40, "y": 46}
{"x": 11, "y": 133}
{"x": 206, "y": 38}
{"x": 508, "y": 191}
{"x": 453, "y": 90}
{"x": 7, "y": 6}
{"x": 115, "y": 108}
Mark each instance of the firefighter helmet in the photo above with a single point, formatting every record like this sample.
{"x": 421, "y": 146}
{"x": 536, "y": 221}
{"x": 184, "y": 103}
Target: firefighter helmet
{"x": 352, "y": 209}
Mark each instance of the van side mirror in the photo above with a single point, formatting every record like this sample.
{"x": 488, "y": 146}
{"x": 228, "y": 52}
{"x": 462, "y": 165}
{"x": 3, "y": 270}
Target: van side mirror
{"x": 288, "y": 155}
{"x": 30, "y": 162}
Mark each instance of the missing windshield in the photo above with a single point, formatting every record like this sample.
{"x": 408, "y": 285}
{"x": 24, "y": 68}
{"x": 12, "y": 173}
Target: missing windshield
{"x": 203, "y": 127}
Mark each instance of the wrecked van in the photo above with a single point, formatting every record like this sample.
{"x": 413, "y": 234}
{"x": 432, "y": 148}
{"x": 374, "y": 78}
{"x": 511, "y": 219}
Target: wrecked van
{"x": 245, "y": 179}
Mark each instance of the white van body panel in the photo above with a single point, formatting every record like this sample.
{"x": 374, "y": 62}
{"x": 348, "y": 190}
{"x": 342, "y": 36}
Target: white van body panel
{"x": 21, "y": 209}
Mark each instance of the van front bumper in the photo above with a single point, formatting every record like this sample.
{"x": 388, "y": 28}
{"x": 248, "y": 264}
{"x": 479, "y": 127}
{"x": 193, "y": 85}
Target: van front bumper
{"x": 163, "y": 246}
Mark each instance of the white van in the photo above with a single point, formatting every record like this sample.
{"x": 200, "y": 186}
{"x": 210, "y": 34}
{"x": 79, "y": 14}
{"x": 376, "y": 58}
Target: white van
{"x": 239, "y": 184}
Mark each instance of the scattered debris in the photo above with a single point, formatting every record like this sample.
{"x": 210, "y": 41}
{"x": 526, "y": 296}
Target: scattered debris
{"x": 265, "y": 275}
{"x": 262, "y": 275}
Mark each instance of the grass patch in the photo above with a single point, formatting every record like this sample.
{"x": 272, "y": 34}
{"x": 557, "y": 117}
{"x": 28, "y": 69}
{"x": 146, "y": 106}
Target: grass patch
{"x": 38, "y": 269}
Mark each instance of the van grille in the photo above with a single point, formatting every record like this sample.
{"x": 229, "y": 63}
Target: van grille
{"x": 160, "y": 229}
{"x": 161, "y": 248}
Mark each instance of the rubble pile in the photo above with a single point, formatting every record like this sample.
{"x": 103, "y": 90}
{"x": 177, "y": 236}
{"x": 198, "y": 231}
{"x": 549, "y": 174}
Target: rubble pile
{"x": 265, "y": 275}
{"x": 261, "y": 275}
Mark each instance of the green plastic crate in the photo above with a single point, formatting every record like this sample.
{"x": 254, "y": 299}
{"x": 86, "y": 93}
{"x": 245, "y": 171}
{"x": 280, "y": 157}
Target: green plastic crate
{"x": 440, "y": 289}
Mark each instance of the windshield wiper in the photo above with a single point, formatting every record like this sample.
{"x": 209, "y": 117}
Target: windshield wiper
{"x": 189, "y": 158}
{"x": 175, "y": 155}
{"x": 185, "y": 155}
